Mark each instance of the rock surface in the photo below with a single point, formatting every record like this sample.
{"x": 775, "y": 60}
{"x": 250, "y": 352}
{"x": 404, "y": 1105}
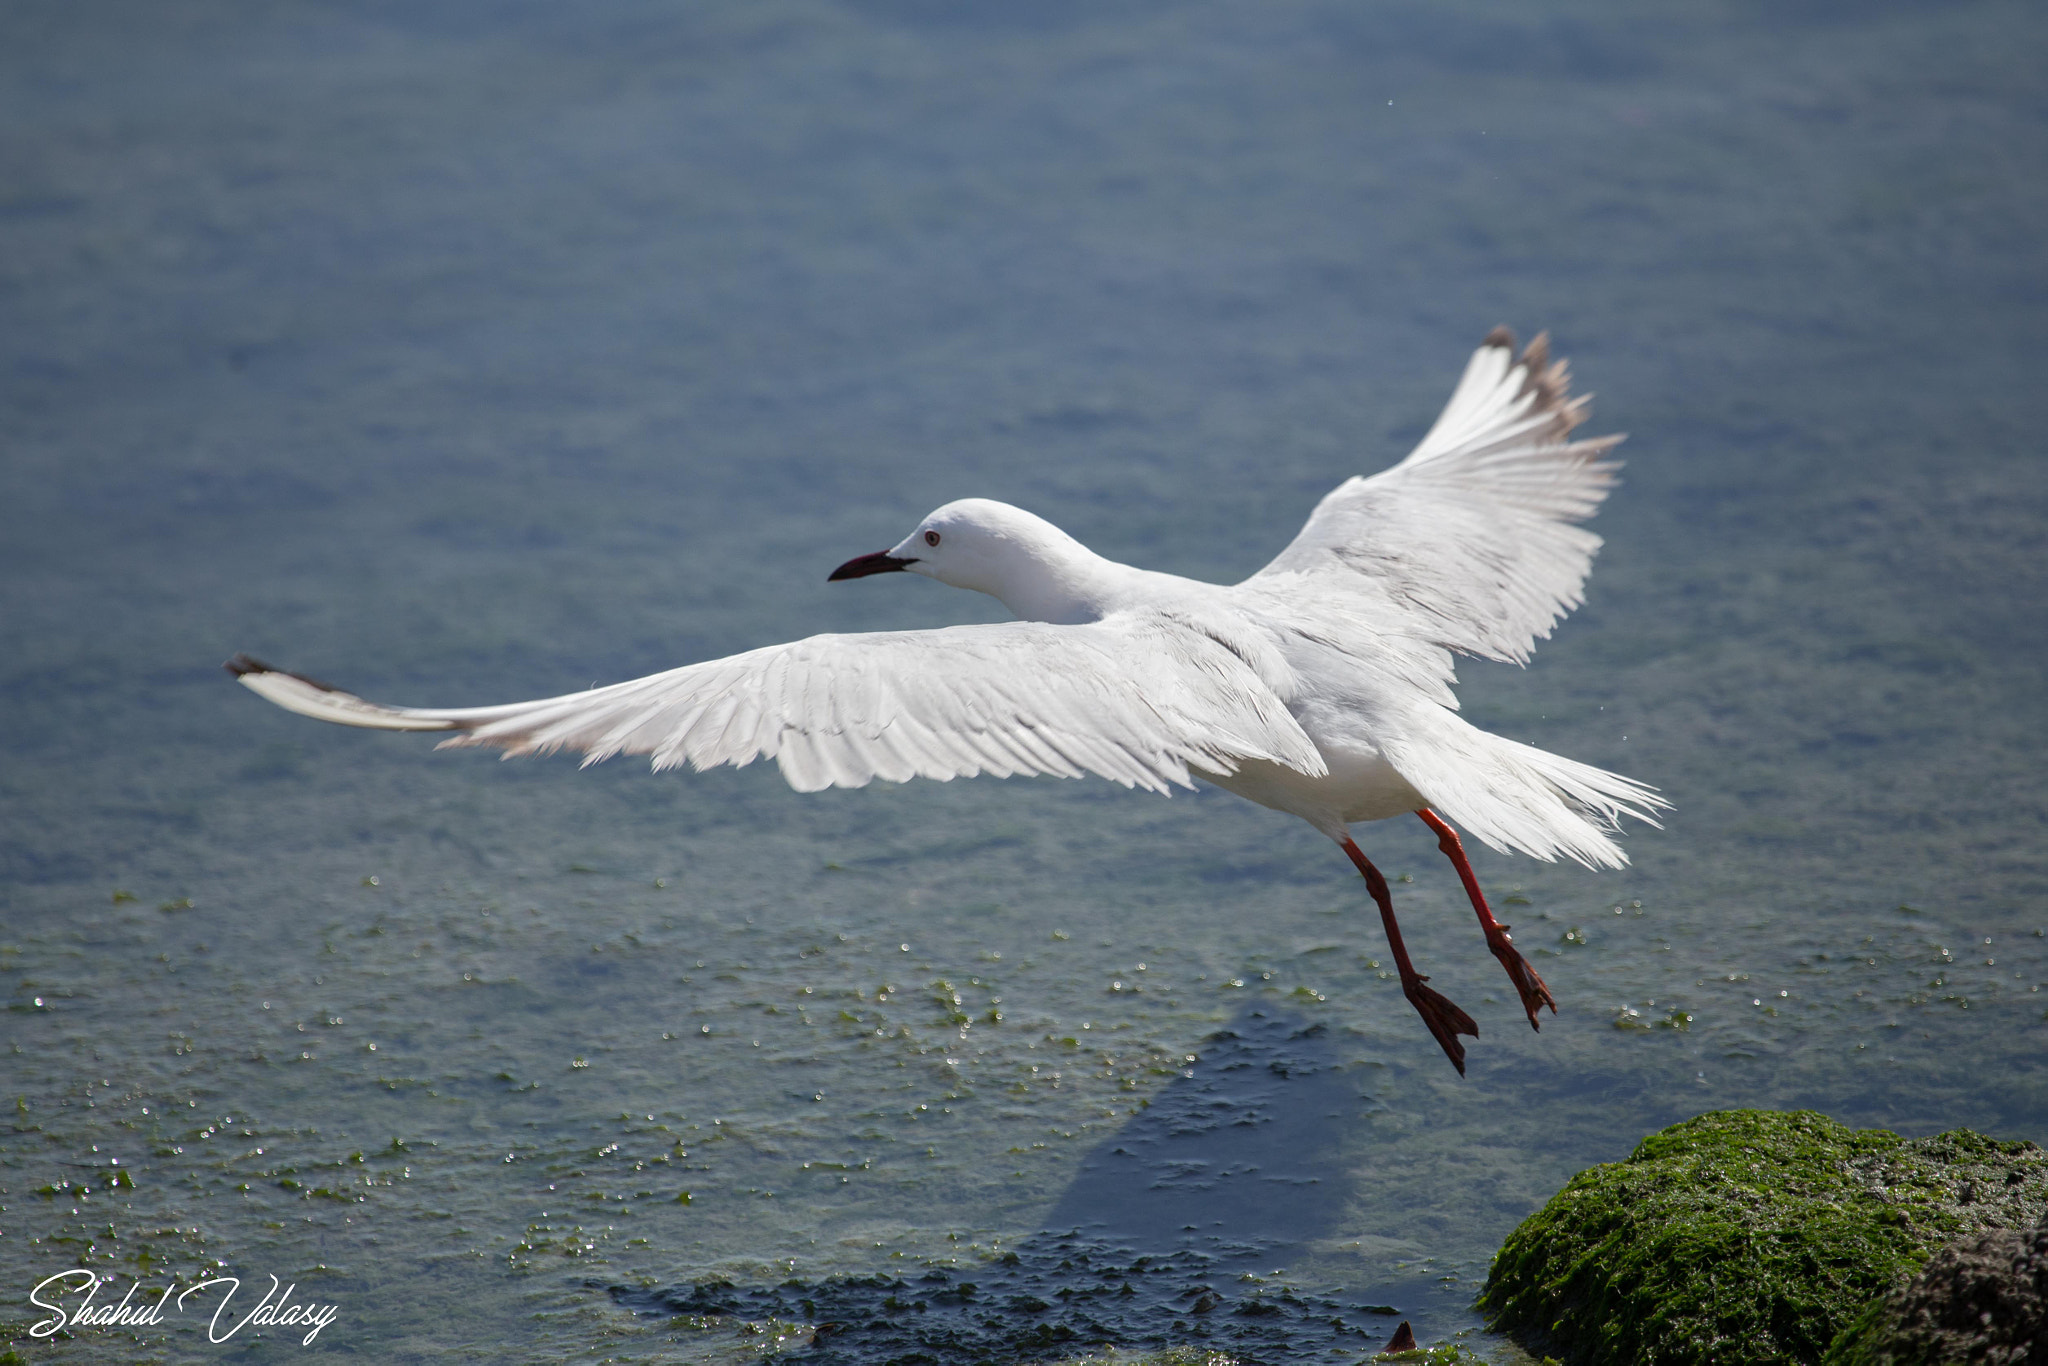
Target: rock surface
{"x": 1747, "y": 1236}
{"x": 1981, "y": 1299}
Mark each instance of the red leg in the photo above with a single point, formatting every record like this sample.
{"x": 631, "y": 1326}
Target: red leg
{"x": 1534, "y": 993}
{"x": 1446, "y": 1022}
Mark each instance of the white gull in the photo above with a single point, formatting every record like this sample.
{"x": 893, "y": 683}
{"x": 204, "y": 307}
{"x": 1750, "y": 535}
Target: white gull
{"x": 1320, "y": 686}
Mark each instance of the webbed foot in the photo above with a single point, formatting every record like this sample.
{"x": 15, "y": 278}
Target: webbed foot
{"x": 1446, "y": 1022}
{"x": 1534, "y": 994}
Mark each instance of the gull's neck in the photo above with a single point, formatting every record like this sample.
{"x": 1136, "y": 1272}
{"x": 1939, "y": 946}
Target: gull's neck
{"x": 1067, "y": 584}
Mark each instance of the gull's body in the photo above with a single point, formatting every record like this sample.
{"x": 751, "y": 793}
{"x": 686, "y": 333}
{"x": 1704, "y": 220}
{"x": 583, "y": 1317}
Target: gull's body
{"x": 1320, "y": 686}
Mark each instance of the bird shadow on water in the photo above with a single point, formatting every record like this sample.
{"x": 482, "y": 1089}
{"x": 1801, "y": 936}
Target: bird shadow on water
{"x": 1167, "y": 1237}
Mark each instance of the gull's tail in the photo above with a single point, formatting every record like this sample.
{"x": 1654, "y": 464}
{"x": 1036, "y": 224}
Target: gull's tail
{"x": 1510, "y": 795}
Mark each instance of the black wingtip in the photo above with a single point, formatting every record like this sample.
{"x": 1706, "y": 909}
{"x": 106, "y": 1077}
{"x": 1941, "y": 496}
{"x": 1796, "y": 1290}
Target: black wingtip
{"x": 1500, "y": 336}
{"x": 242, "y": 665}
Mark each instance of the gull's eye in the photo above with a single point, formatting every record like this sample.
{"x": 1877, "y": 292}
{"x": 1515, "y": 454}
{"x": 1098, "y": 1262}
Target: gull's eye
{"x": 931, "y": 538}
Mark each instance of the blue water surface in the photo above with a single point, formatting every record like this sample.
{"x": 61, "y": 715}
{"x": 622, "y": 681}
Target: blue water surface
{"x": 471, "y": 352}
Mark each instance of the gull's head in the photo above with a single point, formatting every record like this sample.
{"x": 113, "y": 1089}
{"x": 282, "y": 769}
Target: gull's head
{"x": 1036, "y": 569}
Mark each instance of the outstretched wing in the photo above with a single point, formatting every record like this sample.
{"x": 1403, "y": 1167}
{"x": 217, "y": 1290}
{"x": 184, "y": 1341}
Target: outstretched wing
{"x": 1469, "y": 544}
{"x": 1137, "y": 699}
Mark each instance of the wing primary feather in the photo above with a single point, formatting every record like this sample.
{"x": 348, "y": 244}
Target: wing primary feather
{"x": 1135, "y": 699}
{"x": 1469, "y": 544}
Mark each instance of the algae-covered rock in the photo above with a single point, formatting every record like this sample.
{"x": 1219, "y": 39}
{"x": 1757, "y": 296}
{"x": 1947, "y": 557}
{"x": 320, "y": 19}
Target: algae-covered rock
{"x": 1983, "y": 1298}
{"x": 1747, "y": 1236}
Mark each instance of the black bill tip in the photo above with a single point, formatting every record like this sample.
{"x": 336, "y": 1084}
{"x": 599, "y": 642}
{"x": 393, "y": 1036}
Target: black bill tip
{"x": 860, "y": 566}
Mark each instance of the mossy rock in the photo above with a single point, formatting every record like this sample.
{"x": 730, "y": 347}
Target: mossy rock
{"x": 1983, "y": 1298}
{"x": 1747, "y": 1236}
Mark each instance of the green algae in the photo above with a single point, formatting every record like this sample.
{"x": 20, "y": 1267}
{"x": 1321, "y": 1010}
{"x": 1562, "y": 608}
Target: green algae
{"x": 1171, "y": 1356}
{"x": 1442, "y": 1355}
{"x": 1864, "y": 1341}
{"x": 1747, "y": 1236}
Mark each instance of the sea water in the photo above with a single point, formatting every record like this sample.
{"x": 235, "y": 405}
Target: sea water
{"x": 469, "y": 353}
